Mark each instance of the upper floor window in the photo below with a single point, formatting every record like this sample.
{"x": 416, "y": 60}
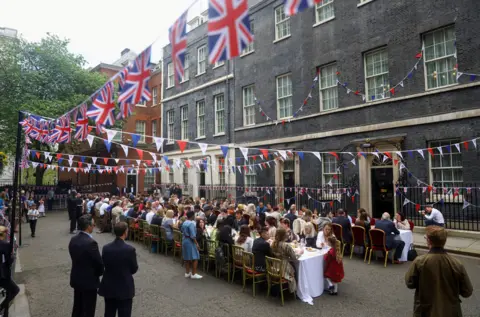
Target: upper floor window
{"x": 248, "y": 105}
{"x": 282, "y": 23}
{"x": 202, "y": 60}
{"x": 446, "y": 169}
{"x": 284, "y": 96}
{"x": 440, "y": 57}
{"x": 376, "y": 75}
{"x": 170, "y": 126}
{"x": 154, "y": 96}
{"x": 200, "y": 118}
{"x": 324, "y": 11}
{"x": 170, "y": 76}
{"x": 218, "y": 64}
{"x": 154, "y": 127}
{"x": 328, "y": 87}
{"x": 186, "y": 68}
{"x": 140, "y": 127}
{"x": 221, "y": 171}
{"x": 219, "y": 114}
{"x": 184, "y": 123}
{"x": 250, "y": 47}
{"x": 330, "y": 169}
{"x": 250, "y": 173}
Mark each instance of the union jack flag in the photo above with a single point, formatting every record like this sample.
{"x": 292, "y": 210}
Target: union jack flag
{"x": 126, "y": 110}
{"x": 103, "y": 106}
{"x": 43, "y": 131}
{"x": 135, "y": 87}
{"x": 294, "y": 6}
{"x": 62, "y": 131}
{"x": 228, "y": 29}
{"x": 30, "y": 126}
{"x": 81, "y": 130}
{"x": 178, "y": 39}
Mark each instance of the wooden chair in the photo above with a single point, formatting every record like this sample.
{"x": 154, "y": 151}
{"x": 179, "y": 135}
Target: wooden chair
{"x": 275, "y": 275}
{"x": 378, "y": 243}
{"x": 338, "y": 232}
{"x": 237, "y": 257}
{"x": 131, "y": 228}
{"x": 249, "y": 272}
{"x": 154, "y": 237}
{"x": 359, "y": 240}
{"x": 177, "y": 244}
{"x": 139, "y": 231}
{"x": 212, "y": 245}
{"x": 146, "y": 234}
{"x": 227, "y": 263}
{"x": 164, "y": 242}
{"x": 202, "y": 250}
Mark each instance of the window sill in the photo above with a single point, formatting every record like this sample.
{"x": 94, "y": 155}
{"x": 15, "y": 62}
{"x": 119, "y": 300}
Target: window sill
{"x": 323, "y": 22}
{"x": 198, "y": 75}
{"x": 249, "y": 125}
{"x": 327, "y": 110}
{"x": 436, "y": 88}
{"x": 200, "y": 138}
{"x": 170, "y": 143}
{"x": 248, "y": 53}
{"x": 183, "y": 82}
{"x": 364, "y": 3}
{"x": 218, "y": 66}
{"x": 140, "y": 105}
{"x": 169, "y": 87}
{"x": 380, "y": 99}
{"x": 219, "y": 134}
{"x": 282, "y": 39}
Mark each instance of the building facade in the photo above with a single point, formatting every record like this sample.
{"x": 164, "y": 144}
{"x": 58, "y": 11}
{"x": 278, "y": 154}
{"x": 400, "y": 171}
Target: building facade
{"x": 360, "y": 50}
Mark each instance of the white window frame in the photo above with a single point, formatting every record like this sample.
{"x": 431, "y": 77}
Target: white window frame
{"x": 327, "y": 176}
{"x": 154, "y": 96}
{"x": 184, "y": 122}
{"x": 250, "y": 48}
{"x": 437, "y": 156}
{"x": 200, "y": 119}
{"x": 118, "y": 137}
{"x": 186, "y": 69}
{"x": 154, "y": 126}
{"x": 438, "y": 59}
{"x": 150, "y": 176}
{"x": 222, "y": 175}
{"x": 248, "y": 107}
{"x": 250, "y": 177}
{"x": 280, "y": 12}
{"x": 324, "y": 5}
{"x": 289, "y": 75}
{"x": 170, "y": 126}
{"x": 201, "y": 60}
{"x": 219, "y": 114}
{"x": 170, "y": 76}
{"x": 171, "y": 175}
{"x": 219, "y": 64}
{"x": 333, "y": 87}
{"x": 142, "y": 133}
{"x": 185, "y": 178}
{"x": 386, "y": 89}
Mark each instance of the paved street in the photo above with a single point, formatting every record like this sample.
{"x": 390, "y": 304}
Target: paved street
{"x": 368, "y": 290}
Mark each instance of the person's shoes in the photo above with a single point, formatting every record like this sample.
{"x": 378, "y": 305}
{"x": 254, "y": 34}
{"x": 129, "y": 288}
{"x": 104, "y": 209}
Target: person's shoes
{"x": 187, "y": 275}
{"x": 33, "y": 235}
{"x": 330, "y": 290}
{"x": 72, "y": 232}
{"x": 335, "y": 293}
{"x": 397, "y": 262}
{"x": 196, "y": 277}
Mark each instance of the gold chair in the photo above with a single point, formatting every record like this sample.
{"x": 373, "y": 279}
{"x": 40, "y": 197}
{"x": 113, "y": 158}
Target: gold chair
{"x": 139, "y": 231}
{"x": 212, "y": 245}
{"x": 146, "y": 234}
{"x": 165, "y": 243}
{"x": 203, "y": 253}
{"x": 131, "y": 228}
{"x": 237, "y": 257}
{"x": 378, "y": 243}
{"x": 338, "y": 232}
{"x": 154, "y": 237}
{"x": 177, "y": 243}
{"x": 227, "y": 263}
{"x": 359, "y": 240}
{"x": 249, "y": 272}
{"x": 275, "y": 275}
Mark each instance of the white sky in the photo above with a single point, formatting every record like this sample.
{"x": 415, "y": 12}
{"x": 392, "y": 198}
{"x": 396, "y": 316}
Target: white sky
{"x": 98, "y": 29}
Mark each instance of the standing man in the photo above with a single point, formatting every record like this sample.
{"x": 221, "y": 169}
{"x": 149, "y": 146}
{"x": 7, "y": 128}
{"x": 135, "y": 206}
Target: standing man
{"x": 433, "y": 217}
{"x": 117, "y": 286}
{"x": 72, "y": 210}
{"x": 50, "y": 196}
{"x": 438, "y": 279}
{"x": 87, "y": 267}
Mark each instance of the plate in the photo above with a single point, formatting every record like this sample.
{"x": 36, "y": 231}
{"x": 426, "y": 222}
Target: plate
{"x": 310, "y": 249}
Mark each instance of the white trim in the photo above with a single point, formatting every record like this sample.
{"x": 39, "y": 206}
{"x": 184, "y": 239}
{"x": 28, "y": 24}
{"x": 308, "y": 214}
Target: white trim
{"x": 217, "y": 121}
{"x": 168, "y": 76}
{"x": 361, "y": 4}
{"x": 320, "y": 92}
{"x": 289, "y": 75}
{"x": 321, "y": 5}
{"x": 200, "y": 138}
{"x": 282, "y": 39}
{"x": 285, "y": 20}
{"x": 323, "y": 22}
{"x": 386, "y": 94}
{"x": 210, "y": 83}
{"x": 141, "y": 106}
{"x": 252, "y": 105}
{"x": 197, "y": 104}
{"x": 219, "y": 134}
{"x": 248, "y": 53}
{"x": 204, "y": 47}
{"x": 459, "y": 115}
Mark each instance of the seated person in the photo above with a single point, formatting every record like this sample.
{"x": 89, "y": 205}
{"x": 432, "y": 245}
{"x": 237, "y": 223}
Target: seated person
{"x": 310, "y": 235}
{"x": 244, "y": 240}
{"x": 261, "y": 249}
{"x": 401, "y": 222}
{"x": 391, "y": 231}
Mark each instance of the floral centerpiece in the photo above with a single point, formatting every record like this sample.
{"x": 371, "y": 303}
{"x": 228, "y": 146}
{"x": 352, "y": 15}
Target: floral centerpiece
{"x": 3, "y": 161}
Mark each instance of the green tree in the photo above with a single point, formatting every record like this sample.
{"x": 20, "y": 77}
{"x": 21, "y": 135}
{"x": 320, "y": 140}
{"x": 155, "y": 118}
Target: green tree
{"x": 42, "y": 78}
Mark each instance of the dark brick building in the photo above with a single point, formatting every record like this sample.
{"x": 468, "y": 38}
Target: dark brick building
{"x": 368, "y": 46}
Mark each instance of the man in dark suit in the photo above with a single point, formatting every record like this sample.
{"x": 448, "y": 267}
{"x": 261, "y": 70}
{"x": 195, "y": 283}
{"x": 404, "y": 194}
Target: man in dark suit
{"x": 391, "y": 231}
{"x": 117, "y": 286}
{"x": 71, "y": 207}
{"x": 342, "y": 220}
{"x": 291, "y": 216}
{"x": 87, "y": 267}
{"x": 261, "y": 249}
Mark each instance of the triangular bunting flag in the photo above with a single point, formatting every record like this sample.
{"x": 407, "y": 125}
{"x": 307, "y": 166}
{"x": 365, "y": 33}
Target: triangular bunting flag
{"x": 457, "y": 145}
{"x": 182, "y": 145}
{"x": 474, "y": 141}
{"x": 108, "y": 145}
{"x": 399, "y": 154}
{"x": 135, "y": 139}
{"x": 354, "y": 162}
{"x": 111, "y": 134}
{"x": 90, "y": 139}
{"x": 300, "y": 155}
{"x": 244, "y": 152}
{"x": 159, "y": 143}
{"x": 465, "y": 204}
{"x": 406, "y": 201}
{"x": 224, "y": 150}
{"x": 140, "y": 153}
{"x": 264, "y": 153}
{"x": 317, "y": 154}
{"x": 421, "y": 153}
{"x": 430, "y": 150}
{"x": 440, "y": 150}
{"x": 203, "y": 147}
{"x": 283, "y": 153}
{"x": 94, "y": 160}
{"x": 105, "y": 160}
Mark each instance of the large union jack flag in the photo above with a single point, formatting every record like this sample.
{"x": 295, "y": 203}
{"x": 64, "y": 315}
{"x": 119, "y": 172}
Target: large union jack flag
{"x": 81, "y": 130}
{"x": 178, "y": 40}
{"x": 44, "y": 131}
{"x": 135, "y": 87}
{"x": 30, "y": 125}
{"x": 228, "y": 29}
{"x": 294, "y": 6}
{"x": 103, "y": 107}
{"x": 62, "y": 131}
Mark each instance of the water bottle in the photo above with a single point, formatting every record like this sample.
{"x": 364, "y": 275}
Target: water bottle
{"x": 302, "y": 243}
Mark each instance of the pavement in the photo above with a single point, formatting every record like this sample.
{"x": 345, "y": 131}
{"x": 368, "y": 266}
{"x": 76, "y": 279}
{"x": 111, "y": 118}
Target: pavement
{"x": 458, "y": 245}
{"x": 161, "y": 289}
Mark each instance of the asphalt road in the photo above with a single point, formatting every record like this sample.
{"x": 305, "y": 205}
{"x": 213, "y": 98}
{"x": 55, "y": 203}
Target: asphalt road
{"x": 161, "y": 289}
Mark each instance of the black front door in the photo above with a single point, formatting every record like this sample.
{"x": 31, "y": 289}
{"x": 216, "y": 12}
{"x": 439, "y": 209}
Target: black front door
{"x": 202, "y": 192}
{"x": 289, "y": 192}
{"x": 132, "y": 183}
{"x": 382, "y": 192}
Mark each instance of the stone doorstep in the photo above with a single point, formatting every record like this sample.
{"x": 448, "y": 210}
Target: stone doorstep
{"x": 458, "y": 245}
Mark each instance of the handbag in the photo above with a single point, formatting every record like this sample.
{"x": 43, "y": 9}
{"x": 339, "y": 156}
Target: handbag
{"x": 412, "y": 253}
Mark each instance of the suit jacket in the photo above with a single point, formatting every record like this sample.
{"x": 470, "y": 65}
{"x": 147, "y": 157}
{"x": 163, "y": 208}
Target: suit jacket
{"x": 292, "y": 218}
{"x": 390, "y": 231}
{"x": 120, "y": 264}
{"x": 260, "y": 249}
{"x": 347, "y": 227}
{"x": 5, "y": 266}
{"x": 87, "y": 264}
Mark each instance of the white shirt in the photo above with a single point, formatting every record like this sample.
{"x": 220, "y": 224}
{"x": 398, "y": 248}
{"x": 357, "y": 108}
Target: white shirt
{"x": 436, "y": 216}
{"x": 33, "y": 214}
{"x": 102, "y": 208}
{"x": 247, "y": 245}
{"x": 274, "y": 214}
{"x": 149, "y": 217}
{"x": 320, "y": 240}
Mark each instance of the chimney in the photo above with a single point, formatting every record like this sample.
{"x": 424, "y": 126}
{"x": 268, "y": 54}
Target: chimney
{"x": 125, "y": 51}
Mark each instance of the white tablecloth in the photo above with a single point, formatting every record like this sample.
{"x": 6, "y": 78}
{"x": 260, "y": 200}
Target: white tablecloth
{"x": 407, "y": 237}
{"x": 310, "y": 275}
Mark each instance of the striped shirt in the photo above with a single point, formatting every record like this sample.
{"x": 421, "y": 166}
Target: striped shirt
{"x": 33, "y": 214}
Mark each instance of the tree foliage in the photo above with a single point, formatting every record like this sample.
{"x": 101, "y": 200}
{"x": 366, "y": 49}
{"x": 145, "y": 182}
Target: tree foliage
{"x": 40, "y": 77}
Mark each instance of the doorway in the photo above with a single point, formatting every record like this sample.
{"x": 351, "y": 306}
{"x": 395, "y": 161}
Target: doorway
{"x": 131, "y": 182}
{"x": 289, "y": 182}
{"x": 201, "y": 181}
{"x": 382, "y": 191}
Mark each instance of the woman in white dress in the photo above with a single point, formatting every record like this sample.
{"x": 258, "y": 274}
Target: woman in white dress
{"x": 244, "y": 239}
{"x": 323, "y": 236}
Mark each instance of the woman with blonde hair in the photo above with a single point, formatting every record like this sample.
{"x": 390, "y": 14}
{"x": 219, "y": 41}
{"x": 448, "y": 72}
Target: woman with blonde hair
{"x": 282, "y": 250}
{"x": 333, "y": 270}
{"x": 6, "y": 281}
{"x": 310, "y": 235}
{"x": 167, "y": 223}
{"x": 251, "y": 210}
{"x": 324, "y": 235}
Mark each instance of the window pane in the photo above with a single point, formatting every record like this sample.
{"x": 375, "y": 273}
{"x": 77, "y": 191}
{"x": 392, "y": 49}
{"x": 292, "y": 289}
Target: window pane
{"x": 440, "y": 58}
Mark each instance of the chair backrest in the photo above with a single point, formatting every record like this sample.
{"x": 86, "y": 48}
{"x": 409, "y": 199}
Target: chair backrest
{"x": 237, "y": 254}
{"x": 354, "y": 219}
{"x": 412, "y": 225}
{"x": 163, "y": 233}
{"x": 226, "y": 252}
{"x": 177, "y": 235}
{"x": 372, "y": 221}
{"x": 154, "y": 230}
{"x": 338, "y": 231}
{"x": 359, "y": 235}
{"x": 248, "y": 260}
{"x": 211, "y": 246}
{"x": 140, "y": 224}
{"x": 377, "y": 239}
{"x": 146, "y": 227}
{"x": 274, "y": 267}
